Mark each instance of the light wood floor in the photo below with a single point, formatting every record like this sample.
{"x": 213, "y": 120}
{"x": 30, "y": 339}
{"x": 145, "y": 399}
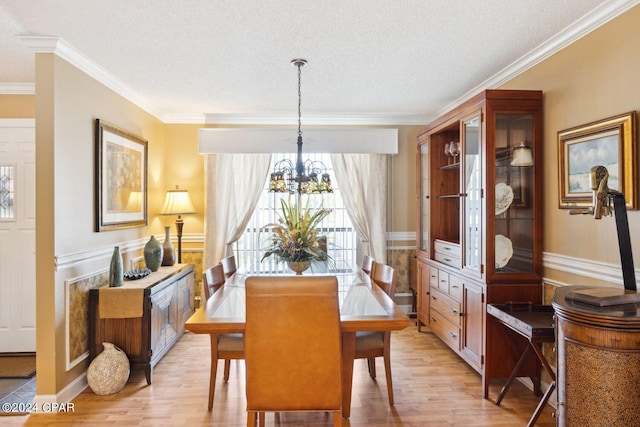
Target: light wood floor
{"x": 433, "y": 387}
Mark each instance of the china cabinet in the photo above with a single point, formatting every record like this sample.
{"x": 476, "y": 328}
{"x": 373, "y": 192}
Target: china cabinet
{"x": 479, "y": 237}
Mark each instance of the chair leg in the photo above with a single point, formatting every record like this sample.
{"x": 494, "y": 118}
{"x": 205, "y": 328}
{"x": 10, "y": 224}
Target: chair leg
{"x": 387, "y": 369}
{"x": 261, "y": 419}
{"x": 214, "y": 369}
{"x": 337, "y": 418}
{"x": 371, "y": 364}
{"x": 227, "y": 364}
{"x": 251, "y": 418}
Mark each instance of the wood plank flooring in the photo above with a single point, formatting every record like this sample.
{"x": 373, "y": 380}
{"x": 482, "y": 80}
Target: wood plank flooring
{"x": 433, "y": 387}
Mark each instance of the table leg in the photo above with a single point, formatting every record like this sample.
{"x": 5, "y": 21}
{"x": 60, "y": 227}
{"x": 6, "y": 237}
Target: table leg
{"x": 513, "y": 375}
{"x": 552, "y": 386}
{"x": 348, "y": 354}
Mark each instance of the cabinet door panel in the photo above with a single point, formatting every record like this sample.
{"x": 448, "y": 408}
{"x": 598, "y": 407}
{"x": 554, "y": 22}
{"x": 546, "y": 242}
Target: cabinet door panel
{"x": 473, "y": 320}
{"x": 423, "y": 294}
{"x": 162, "y": 331}
{"x": 472, "y": 219}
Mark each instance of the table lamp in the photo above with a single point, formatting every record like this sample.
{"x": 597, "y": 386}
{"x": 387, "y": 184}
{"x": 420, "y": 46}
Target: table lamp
{"x": 177, "y": 202}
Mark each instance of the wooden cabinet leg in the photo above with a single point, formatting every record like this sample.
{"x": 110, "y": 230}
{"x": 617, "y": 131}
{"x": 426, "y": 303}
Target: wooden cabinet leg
{"x": 148, "y": 373}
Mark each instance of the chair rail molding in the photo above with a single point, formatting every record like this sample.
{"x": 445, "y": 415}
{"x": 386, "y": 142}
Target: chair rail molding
{"x": 598, "y": 270}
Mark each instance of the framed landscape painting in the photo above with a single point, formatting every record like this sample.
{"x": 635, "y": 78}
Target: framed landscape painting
{"x": 121, "y": 178}
{"x": 610, "y": 143}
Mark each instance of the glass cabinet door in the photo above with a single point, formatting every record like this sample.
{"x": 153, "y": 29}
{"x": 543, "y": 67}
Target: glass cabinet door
{"x": 471, "y": 180}
{"x": 514, "y": 210}
{"x": 424, "y": 198}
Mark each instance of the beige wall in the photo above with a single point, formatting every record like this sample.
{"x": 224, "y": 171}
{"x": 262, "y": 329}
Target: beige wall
{"x": 594, "y": 78}
{"x": 67, "y": 103}
{"x": 403, "y": 182}
{"x": 17, "y": 106}
{"x": 185, "y": 167}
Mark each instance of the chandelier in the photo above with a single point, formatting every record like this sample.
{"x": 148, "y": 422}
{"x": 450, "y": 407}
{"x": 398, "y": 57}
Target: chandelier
{"x": 310, "y": 177}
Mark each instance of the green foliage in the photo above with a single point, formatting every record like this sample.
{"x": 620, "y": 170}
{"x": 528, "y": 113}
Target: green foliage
{"x": 295, "y": 237}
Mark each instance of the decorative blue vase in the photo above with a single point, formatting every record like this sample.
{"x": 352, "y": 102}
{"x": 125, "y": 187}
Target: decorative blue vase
{"x": 116, "y": 275}
{"x": 153, "y": 254}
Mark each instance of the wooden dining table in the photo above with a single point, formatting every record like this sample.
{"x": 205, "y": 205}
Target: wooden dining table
{"x": 363, "y": 307}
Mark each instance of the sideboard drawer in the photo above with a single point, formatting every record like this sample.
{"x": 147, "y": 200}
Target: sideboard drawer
{"x": 447, "y": 248}
{"x": 447, "y": 331}
{"x": 446, "y": 306}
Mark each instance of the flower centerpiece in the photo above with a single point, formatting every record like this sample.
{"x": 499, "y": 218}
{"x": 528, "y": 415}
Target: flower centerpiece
{"x": 295, "y": 237}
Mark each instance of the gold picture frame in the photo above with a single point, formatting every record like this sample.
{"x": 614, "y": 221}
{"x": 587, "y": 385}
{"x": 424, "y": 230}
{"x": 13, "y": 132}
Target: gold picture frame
{"x": 609, "y": 142}
{"x": 121, "y": 178}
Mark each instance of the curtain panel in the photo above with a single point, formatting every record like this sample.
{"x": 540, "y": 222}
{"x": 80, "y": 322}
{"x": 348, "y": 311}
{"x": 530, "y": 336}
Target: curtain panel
{"x": 362, "y": 179}
{"x": 234, "y": 183}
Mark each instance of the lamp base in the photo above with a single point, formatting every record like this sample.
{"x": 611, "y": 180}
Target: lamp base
{"x": 168, "y": 253}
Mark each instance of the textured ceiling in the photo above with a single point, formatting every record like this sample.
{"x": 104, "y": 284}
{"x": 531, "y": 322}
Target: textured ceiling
{"x": 378, "y": 59}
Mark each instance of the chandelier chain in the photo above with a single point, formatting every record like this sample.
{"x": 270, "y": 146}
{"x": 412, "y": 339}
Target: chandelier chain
{"x": 299, "y": 99}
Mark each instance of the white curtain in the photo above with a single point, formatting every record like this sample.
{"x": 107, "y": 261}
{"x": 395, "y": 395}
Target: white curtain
{"x": 362, "y": 179}
{"x": 234, "y": 183}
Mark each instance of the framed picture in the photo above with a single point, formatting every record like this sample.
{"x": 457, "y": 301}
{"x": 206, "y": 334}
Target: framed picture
{"x": 611, "y": 143}
{"x": 121, "y": 178}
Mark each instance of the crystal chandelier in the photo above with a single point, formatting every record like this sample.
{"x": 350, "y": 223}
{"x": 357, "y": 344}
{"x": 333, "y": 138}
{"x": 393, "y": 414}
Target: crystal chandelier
{"x": 310, "y": 176}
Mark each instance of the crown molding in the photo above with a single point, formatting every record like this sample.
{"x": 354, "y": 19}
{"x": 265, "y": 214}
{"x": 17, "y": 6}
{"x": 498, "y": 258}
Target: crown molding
{"x": 57, "y": 46}
{"x": 17, "y": 89}
{"x": 575, "y": 31}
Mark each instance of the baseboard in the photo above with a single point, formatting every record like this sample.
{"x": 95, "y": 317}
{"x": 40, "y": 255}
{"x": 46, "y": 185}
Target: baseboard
{"x": 66, "y": 395}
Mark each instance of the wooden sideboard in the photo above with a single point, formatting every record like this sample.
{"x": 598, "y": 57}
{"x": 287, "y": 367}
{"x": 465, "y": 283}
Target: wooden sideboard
{"x": 167, "y": 302}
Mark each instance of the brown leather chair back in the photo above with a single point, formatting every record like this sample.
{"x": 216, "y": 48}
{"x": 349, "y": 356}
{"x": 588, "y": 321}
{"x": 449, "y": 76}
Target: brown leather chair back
{"x": 293, "y": 344}
{"x": 385, "y": 277}
{"x": 367, "y": 264}
{"x": 229, "y": 266}
{"x": 212, "y": 279}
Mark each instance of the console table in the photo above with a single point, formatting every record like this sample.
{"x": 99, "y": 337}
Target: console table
{"x": 144, "y": 317}
{"x": 535, "y": 323}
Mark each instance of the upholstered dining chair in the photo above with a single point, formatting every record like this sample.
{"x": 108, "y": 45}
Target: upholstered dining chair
{"x": 223, "y": 346}
{"x": 292, "y": 346}
{"x": 367, "y": 264}
{"x": 229, "y": 265}
{"x": 370, "y": 345}
{"x": 212, "y": 279}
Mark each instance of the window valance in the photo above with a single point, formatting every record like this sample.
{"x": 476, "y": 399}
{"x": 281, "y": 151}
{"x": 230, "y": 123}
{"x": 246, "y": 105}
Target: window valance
{"x": 264, "y": 140}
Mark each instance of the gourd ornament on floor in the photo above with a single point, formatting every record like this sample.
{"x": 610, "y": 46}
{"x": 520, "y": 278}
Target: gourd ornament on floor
{"x": 109, "y": 371}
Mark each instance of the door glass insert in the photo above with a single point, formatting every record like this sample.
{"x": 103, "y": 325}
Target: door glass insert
{"x": 7, "y": 192}
{"x": 473, "y": 192}
{"x": 514, "y": 210}
{"x": 424, "y": 197}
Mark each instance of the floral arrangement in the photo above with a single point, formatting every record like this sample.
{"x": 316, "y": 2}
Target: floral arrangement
{"x": 295, "y": 238}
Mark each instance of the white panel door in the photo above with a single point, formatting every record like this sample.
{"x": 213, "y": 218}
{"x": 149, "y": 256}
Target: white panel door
{"x": 17, "y": 236}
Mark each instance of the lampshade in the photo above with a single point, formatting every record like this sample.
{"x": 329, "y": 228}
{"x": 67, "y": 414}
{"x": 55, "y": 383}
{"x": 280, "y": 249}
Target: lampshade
{"x": 522, "y": 156}
{"x": 177, "y": 202}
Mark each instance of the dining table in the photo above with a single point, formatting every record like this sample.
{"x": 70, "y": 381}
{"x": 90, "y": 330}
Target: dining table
{"x": 364, "y": 307}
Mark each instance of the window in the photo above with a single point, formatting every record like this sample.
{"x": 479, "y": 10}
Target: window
{"x": 337, "y": 227}
{"x": 7, "y": 185}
